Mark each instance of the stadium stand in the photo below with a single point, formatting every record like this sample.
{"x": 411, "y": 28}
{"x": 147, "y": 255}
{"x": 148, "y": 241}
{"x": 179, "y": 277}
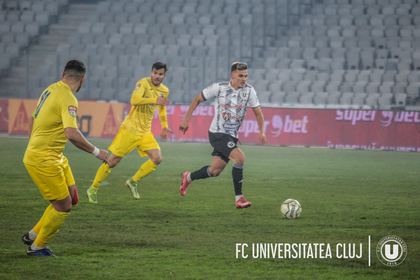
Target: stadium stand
{"x": 20, "y": 23}
{"x": 364, "y": 51}
{"x": 317, "y": 53}
{"x": 23, "y": 25}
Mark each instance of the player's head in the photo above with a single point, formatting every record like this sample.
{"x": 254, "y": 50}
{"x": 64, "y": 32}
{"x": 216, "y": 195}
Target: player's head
{"x": 159, "y": 70}
{"x": 238, "y": 74}
{"x": 74, "y": 72}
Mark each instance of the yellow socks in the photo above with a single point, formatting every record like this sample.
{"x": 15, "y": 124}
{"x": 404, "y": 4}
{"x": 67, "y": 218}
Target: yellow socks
{"x": 52, "y": 222}
{"x": 144, "y": 170}
{"x": 38, "y": 225}
{"x": 103, "y": 172}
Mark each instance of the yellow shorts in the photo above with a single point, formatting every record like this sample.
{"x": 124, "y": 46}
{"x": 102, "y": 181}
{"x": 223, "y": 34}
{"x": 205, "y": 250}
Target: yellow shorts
{"x": 125, "y": 141}
{"x": 52, "y": 181}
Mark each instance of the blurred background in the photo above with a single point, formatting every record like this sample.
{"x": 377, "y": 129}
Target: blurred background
{"x": 301, "y": 53}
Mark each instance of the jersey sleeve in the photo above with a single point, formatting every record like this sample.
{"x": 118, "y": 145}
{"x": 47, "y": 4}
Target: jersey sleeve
{"x": 253, "y": 99}
{"x": 69, "y": 111}
{"x": 164, "y": 90}
{"x": 137, "y": 97}
{"x": 210, "y": 91}
{"x": 163, "y": 117}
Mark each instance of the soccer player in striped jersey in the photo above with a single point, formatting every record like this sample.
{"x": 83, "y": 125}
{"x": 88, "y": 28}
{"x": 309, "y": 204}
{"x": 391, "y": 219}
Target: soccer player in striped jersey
{"x": 54, "y": 122}
{"x": 135, "y": 131}
{"x": 231, "y": 102}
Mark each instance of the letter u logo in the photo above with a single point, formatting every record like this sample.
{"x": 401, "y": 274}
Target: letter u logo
{"x": 391, "y": 250}
{"x": 391, "y": 254}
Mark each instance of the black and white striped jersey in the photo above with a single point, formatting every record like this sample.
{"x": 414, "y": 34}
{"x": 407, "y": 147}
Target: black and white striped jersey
{"x": 230, "y": 106}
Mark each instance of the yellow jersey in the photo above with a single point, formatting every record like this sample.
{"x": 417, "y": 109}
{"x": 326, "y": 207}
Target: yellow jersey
{"x": 55, "y": 111}
{"x": 143, "y": 105}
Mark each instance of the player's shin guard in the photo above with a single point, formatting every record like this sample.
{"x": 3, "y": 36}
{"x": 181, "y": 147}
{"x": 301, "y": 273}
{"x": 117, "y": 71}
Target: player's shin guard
{"x": 103, "y": 172}
{"x": 237, "y": 176}
{"x": 52, "y": 223}
{"x": 202, "y": 173}
{"x": 144, "y": 170}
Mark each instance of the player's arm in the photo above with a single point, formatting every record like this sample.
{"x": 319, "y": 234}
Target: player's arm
{"x": 196, "y": 101}
{"x": 137, "y": 97}
{"x": 71, "y": 130}
{"x": 76, "y": 138}
{"x": 163, "y": 118}
{"x": 260, "y": 121}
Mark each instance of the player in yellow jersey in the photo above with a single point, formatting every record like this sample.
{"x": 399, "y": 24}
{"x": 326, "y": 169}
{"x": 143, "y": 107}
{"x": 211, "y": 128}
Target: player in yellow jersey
{"x": 54, "y": 122}
{"x": 135, "y": 131}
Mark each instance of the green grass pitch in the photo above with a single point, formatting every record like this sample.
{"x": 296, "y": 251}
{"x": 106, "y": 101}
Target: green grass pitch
{"x": 345, "y": 195}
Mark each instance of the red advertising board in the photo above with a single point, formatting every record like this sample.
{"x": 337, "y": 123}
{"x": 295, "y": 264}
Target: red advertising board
{"x": 334, "y": 128}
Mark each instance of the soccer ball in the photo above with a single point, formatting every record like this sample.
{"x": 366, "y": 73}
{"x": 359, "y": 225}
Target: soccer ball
{"x": 291, "y": 208}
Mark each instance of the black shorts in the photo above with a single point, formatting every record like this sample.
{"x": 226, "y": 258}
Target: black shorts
{"x": 223, "y": 144}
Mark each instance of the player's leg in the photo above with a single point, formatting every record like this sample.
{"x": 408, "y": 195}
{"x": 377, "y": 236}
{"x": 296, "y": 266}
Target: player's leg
{"x": 52, "y": 184}
{"x": 213, "y": 170}
{"x": 102, "y": 174}
{"x": 123, "y": 143}
{"x": 71, "y": 183}
{"x": 29, "y": 237}
{"x": 155, "y": 158}
{"x": 53, "y": 220}
{"x": 220, "y": 158}
{"x": 147, "y": 145}
{"x": 238, "y": 158}
{"x": 105, "y": 169}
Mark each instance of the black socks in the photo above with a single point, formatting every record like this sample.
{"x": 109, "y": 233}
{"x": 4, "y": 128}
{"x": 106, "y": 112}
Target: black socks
{"x": 237, "y": 176}
{"x": 200, "y": 174}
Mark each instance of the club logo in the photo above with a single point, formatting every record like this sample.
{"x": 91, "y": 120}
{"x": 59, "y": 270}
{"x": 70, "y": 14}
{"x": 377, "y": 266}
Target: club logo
{"x": 72, "y": 111}
{"x": 391, "y": 250}
{"x": 226, "y": 116}
{"x": 244, "y": 95}
{"x": 231, "y": 144}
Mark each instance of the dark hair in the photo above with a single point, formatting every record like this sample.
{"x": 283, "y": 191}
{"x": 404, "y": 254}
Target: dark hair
{"x": 238, "y": 66}
{"x": 159, "y": 65}
{"x": 74, "y": 68}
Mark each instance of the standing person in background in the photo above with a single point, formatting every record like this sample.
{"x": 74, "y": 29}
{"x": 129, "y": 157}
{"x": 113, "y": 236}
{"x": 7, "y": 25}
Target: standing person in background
{"x": 54, "y": 122}
{"x": 231, "y": 101}
{"x": 135, "y": 131}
